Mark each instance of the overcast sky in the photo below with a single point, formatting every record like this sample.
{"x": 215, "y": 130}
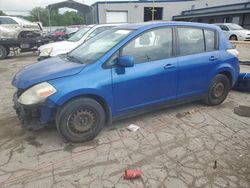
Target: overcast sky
{"x": 22, "y": 7}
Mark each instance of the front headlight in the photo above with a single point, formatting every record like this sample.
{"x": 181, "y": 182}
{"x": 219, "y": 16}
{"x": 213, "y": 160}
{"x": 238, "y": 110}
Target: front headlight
{"x": 37, "y": 94}
{"x": 46, "y": 52}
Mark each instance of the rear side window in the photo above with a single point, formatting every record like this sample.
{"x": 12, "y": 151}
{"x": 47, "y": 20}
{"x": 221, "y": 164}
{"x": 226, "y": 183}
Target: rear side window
{"x": 191, "y": 40}
{"x": 210, "y": 40}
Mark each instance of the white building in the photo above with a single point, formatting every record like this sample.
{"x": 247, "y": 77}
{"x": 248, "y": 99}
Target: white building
{"x": 207, "y": 11}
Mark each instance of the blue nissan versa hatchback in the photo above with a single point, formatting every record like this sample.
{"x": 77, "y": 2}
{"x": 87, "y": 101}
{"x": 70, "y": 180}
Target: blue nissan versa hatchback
{"x": 126, "y": 70}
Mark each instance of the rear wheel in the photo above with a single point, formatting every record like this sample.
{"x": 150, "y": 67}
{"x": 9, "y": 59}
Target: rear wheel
{"x": 80, "y": 120}
{"x": 218, "y": 90}
{"x": 3, "y": 52}
{"x": 233, "y": 37}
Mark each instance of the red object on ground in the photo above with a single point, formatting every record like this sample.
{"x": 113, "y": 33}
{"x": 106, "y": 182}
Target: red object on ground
{"x": 132, "y": 174}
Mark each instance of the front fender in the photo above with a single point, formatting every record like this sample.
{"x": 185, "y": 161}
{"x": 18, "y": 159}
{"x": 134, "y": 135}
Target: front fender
{"x": 91, "y": 81}
{"x": 81, "y": 92}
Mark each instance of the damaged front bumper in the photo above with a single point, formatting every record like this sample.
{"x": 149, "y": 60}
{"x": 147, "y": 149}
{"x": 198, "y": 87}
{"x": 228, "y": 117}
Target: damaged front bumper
{"x": 36, "y": 116}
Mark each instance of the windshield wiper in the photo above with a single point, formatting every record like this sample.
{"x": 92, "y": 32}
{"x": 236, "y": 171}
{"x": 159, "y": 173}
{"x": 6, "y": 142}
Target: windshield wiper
{"x": 73, "y": 58}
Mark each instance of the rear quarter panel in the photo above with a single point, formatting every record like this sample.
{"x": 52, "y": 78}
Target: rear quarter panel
{"x": 229, "y": 63}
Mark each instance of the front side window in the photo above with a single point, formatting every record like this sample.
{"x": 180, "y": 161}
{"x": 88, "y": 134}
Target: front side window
{"x": 96, "y": 47}
{"x": 191, "y": 41}
{"x": 210, "y": 39}
{"x": 150, "y": 46}
{"x": 113, "y": 60}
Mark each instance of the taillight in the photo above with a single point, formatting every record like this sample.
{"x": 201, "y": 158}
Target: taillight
{"x": 234, "y": 52}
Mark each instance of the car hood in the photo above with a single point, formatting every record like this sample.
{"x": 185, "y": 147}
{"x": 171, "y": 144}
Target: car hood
{"x": 59, "y": 47}
{"x": 45, "y": 70}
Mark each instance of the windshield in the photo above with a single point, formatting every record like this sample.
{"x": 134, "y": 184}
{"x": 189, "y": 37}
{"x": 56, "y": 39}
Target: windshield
{"x": 23, "y": 21}
{"x": 235, "y": 27}
{"x": 79, "y": 34}
{"x": 96, "y": 47}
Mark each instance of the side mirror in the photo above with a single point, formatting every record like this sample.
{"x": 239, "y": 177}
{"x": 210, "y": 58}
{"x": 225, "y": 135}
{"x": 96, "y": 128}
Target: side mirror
{"x": 125, "y": 61}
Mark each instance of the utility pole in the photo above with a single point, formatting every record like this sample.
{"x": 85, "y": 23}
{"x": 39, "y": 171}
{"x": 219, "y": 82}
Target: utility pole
{"x": 49, "y": 19}
{"x": 38, "y": 14}
{"x": 153, "y": 10}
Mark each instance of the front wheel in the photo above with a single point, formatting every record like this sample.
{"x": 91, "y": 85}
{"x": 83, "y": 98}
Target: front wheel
{"x": 80, "y": 120}
{"x": 218, "y": 90}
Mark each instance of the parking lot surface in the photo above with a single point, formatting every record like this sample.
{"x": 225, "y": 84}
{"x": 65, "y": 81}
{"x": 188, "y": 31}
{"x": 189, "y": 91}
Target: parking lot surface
{"x": 190, "y": 145}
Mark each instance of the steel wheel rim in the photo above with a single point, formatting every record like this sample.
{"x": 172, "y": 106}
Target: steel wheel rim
{"x": 233, "y": 38}
{"x": 218, "y": 90}
{"x": 82, "y": 121}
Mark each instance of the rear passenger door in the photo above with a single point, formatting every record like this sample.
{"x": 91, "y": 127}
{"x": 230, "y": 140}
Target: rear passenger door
{"x": 197, "y": 56}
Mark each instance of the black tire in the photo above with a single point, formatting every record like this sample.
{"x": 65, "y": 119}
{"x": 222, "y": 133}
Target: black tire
{"x": 3, "y": 52}
{"x": 233, "y": 37}
{"x": 80, "y": 120}
{"x": 8, "y": 52}
{"x": 218, "y": 90}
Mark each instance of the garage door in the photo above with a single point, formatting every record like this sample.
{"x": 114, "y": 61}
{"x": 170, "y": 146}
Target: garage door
{"x": 116, "y": 17}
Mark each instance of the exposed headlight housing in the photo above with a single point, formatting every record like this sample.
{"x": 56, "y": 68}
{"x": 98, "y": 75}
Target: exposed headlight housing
{"x": 46, "y": 52}
{"x": 37, "y": 94}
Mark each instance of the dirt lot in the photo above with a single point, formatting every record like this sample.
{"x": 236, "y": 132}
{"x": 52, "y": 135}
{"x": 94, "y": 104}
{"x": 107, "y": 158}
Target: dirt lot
{"x": 191, "y": 145}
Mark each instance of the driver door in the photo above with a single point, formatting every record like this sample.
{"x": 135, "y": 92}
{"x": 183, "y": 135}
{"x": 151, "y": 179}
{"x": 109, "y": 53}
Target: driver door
{"x": 153, "y": 78}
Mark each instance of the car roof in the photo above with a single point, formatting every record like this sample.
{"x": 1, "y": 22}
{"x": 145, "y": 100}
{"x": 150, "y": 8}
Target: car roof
{"x": 153, "y": 24}
{"x": 111, "y": 24}
{"x": 20, "y": 20}
{"x": 224, "y": 23}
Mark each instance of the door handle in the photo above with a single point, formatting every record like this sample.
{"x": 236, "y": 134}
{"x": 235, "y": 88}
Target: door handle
{"x": 169, "y": 66}
{"x": 212, "y": 58}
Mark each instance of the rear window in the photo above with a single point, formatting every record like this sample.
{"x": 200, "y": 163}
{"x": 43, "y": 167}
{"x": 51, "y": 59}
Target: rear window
{"x": 191, "y": 41}
{"x": 210, "y": 39}
{"x": 196, "y": 40}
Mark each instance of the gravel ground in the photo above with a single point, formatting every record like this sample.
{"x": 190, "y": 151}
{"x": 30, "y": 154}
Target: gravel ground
{"x": 191, "y": 145}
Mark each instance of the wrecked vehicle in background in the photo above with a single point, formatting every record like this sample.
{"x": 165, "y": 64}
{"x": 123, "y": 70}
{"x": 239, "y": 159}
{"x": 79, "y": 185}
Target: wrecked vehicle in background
{"x": 18, "y": 28}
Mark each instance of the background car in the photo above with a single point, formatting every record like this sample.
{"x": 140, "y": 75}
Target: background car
{"x": 234, "y": 31}
{"x": 71, "y": 30}
{"x": 62, "y": 47}
{"x": 57, "y": 34}
{"x": 63, "y": 33}
{"x": 18, "y": 28}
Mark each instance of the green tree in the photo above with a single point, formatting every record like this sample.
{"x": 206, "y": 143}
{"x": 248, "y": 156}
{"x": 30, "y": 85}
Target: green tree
{"x": 39, "y": 14}
{"x": 65, "y": 19}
